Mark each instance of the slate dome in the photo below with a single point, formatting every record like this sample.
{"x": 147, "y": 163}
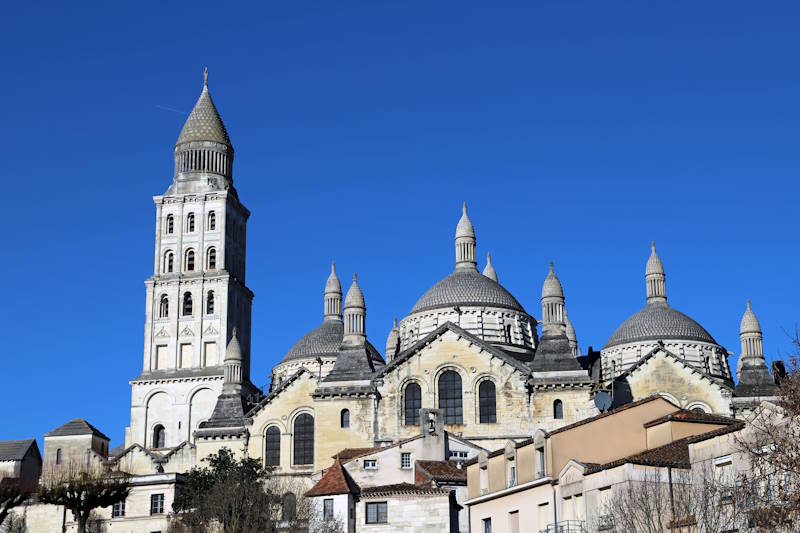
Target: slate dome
{"x": 659, "y": 322}
{"x": 468, "y": 288}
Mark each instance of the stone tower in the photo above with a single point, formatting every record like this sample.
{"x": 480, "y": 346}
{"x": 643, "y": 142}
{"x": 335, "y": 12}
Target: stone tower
{"x": 197, "y": 294}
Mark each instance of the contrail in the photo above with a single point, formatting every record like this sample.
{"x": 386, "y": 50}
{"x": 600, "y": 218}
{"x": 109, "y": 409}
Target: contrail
{"x": 171, "y": 109}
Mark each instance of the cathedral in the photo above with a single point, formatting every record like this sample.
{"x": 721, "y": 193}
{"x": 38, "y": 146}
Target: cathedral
{"x": 468, "y": 356}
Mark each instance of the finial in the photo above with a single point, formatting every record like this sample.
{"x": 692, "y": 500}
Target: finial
{"x": 653, "y": 246}
{"x": 551, "y": 267}
{"x": 464, "y": 208}
{"x": 489, "y": 258}
{"x": 235, "y": 332}
{"x": 205, "y": 77}
{"x": 394, "y": 325}
{"x": 748, "y": 305}
{"x": 333, "y": 267}
{"x": 355, "y": 278}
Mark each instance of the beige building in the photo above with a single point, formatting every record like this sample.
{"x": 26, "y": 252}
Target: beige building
{"x": 20, "y": 462}
{"x": 563, "y": 480}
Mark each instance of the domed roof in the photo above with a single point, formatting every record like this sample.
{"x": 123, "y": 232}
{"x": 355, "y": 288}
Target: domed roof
{"x": 332, "y": 285}
{"x": 749, "y": 323}
{"x": 325, "y": 339}
{"x": 654, "y": 265}
{"x": 204, "y": 122}
{"x": 659, "y": 321}
{"x": 465, "y": 228}
{"x": 233, "y": 352}
{"x": 466, "y": 287}
{"x": 354, "y": 298}
{"x": 552, "y": 285}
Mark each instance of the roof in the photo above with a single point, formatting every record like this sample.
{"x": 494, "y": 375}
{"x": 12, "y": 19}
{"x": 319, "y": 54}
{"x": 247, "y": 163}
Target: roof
{"x": 442, "y": 471}
{"x": 674, "y": 454}
{"x": 466, "y": 287}
{"x": 352, "y": 453}
{"x": 691, "y": 416}
{"x": 658, "y": 321}
{"x": 204, "y": 122}
{"x": 15, "y": 450}
{"x": 78, "y": 426}
{"x": 335, "y": 480}
{"x": 749, "y": 323}
{"x": 324, "y": 340}
{"x": 403, "y": 488}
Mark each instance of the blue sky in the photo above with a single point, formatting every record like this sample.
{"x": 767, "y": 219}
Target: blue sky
{"x": 577, "y": 132}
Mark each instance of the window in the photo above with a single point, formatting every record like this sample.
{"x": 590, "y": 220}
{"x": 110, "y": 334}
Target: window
{"x": 190, "y": 260}
{"x": 487, "y": 525}
{"x": 210, "y": 303}
{"x": 541, "y": 471}
{"x": 376, "y": 513}
{"x": 190, "y": 223}
{"x": 169, "y": 262}
{"x": 169, "y": 227}
{"x": 508, "y": 333}
{"x": 58, "y": 456}
{"x": 327, "y": 509}
{"x": 459, "y": 455}
{"x": 187, "y": 304}
{"x": 345, "y": 418}
{"x": 163, "y": 307}
{"x": 159, "y": 437}
{"x": 118, "y": 510}
{"x": 212, "y": 221}
{"x": 288, "y": 506}
{"x": 487, "y": 402}
{"x": 558, "y": 410}
{"x": 450, "y": 397}
{"x": 304, "y": 440}
{"x": 413, "y": 403}
{"x": 512, "y": 474}
{"x": 211, "y": 262}
{"x": 405, "y": 460}
{"x": 156, "y": 504}
{"x": 370, "y": 464}
{"x": 272, "y": 440}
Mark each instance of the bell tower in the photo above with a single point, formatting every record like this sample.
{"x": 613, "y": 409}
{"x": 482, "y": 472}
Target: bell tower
{"x": 197, "y": 296}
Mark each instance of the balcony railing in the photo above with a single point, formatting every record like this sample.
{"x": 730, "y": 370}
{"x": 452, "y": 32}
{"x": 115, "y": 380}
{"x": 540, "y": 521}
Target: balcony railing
{"x": 566, "y": 526}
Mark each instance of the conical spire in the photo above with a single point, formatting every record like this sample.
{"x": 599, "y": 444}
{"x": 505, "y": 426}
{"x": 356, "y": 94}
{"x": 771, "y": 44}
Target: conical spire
{"x": 552, "y": 303}
{"x": 392, "y": 342}
{"x": 355, "y": 312}
{"x": 233, "y": 362}
{"x": 751, "y": 337}
{"x": 333, "y": 296}
{"x": 749, "y": 323}
{"x": 753, "y": 378}
{"x": 655, "y": 278}
{"x": 489, "y": 270}
{"x": 465, "y": 242}
{"x": 571, "y": 335}
{"x": 204, "y": 150}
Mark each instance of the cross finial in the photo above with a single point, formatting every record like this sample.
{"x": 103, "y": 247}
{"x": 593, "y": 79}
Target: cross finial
{"x": 205, "y": 77}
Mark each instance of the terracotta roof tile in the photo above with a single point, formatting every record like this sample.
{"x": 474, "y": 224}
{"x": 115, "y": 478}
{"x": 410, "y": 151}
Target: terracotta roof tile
{"x": 675, "y": 454}
{"x": 334, "y": 481}
{"x": 691, "y": 416}
{"x": 402, "y": 488}
{"x": 351, "y": 453}
{"x": 447, "y": 471}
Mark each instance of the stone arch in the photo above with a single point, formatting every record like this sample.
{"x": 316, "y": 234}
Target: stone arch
{"x": 159, "y": 411}
{"x": 670, "y": 398}
{"x": 201, "y": 405}
{"x": 697, "y": 404}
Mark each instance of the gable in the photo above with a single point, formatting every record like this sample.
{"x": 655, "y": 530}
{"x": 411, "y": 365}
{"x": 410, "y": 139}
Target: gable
{"x": 291, "y": 395}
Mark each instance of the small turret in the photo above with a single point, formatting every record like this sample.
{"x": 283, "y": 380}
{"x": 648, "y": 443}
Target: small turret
{"x": 465, "y": 242}
{"x": 233, "y": 363}
{"x": 333, "y": 296}
{"x": 392, "y": 342}
{"x": 571, "y": 335}
{"x": 552, "y": 303}
{"x": 489, "y": 270}
{"x": 355, "y": 313}
{"x": 655, "y": 278}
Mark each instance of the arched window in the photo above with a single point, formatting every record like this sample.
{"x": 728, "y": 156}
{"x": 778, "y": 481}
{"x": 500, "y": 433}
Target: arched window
{"x": 210, "y": 303}
{"x": 211, "y": 261}
{"x": 58, "y": 456}
{"x": 190, "y": 260}
{"x": 288, "y": 507}
{"x": 169, "y": 227}
{"x": 272, "y": 439}
{"x": 304, "y": 440}
{"x": 212, "y": 221}
{"x": 508, "y": 333}
{"x": 190, "y": 223}
{"x": 345, "y": 418}
{"x": 450, "y": 397}
{"x": 187, "y": 304}
{"x": 412, "y": 404}
{"x": 163, "y": 307}
{"x": 558, "y": 410}
{"x": 159, "y": 437}
{"x": 169, "y": 262}
{"x": 487, "y": 402}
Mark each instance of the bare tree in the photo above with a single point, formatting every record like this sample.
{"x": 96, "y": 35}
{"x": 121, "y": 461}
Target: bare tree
{"x": 12, "y": 494}
{"x": 770, "y": 445}
{"x": 81, "y": 489}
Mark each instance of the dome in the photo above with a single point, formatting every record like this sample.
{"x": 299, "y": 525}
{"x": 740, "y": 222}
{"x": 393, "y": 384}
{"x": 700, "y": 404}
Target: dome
{"x": 354, "y": 298}
{"x": 333, "y": 285}
{"x": 654, "y": 265}
{"x": 325, "y": 339}
{"x": 233, "y": 352}
{"x": 749, "y": 322}
{"x": 204, "y": 122}
{"x": 465, "y": 228}
{"x": 659, "y": 322}
{"x": 552, "y": 285}
{"x": 469, "y": 288}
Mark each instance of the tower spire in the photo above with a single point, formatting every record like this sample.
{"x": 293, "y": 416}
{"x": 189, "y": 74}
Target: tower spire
{"x": 205, "y": 77}
{"x": 489, "y": 270}
{"x": 355, "y": 314}
{"x": 465, "y": 242}
{"x": 655, "y": 278}
{"x": 333, "y": 296}
{"x": 552, "y": 303}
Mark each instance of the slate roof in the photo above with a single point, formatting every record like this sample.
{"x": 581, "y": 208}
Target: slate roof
{"x": 659, "y": 321}
{"x": 674, "y": 454}
{"x": 403, "y": 488}
{"x": 466, "y": 287}
{"x": 15, "y": 450}
{"x": 335, "y": 480}
{"x": 351, "y": 453}
{"x": 691, "y": 416}
{"x": 755, "y": 381}
{"x": 325, "y": 341}
{"x": 78, "y": 426}
{"x": 442, "y": 471}
{"x": 204, "y": 122}
{"x": 555, "y": 354}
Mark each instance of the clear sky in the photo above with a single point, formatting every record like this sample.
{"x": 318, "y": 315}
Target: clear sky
{"x": 577, "y": 132}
